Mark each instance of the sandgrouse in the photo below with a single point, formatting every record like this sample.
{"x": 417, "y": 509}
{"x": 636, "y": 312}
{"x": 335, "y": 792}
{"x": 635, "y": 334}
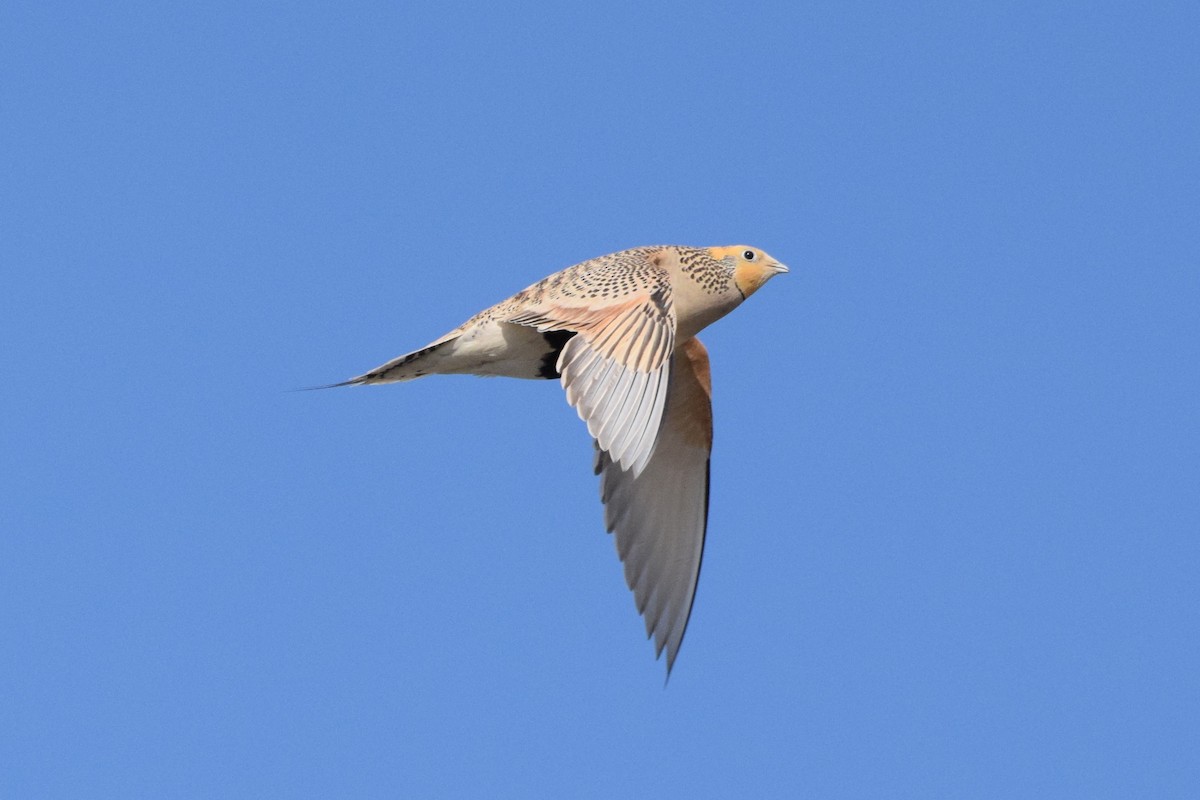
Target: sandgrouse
{"x": 619, "y": 332}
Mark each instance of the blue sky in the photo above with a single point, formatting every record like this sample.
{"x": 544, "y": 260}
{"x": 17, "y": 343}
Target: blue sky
{"x": 953, "y": 547}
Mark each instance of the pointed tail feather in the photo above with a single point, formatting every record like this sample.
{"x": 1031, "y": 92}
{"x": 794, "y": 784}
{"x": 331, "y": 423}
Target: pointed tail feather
{"x": 405, "y": 368}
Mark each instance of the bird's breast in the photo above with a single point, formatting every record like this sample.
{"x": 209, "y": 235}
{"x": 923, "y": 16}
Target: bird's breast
{"x": 695, "y": 311}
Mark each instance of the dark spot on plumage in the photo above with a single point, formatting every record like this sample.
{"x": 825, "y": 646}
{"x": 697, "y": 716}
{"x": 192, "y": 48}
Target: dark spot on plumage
{"x": 661, "y": 299}
{"x": 555, "y": 341}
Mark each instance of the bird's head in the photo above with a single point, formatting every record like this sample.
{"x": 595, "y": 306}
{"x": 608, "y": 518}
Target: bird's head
{"x": 751, "y": 267}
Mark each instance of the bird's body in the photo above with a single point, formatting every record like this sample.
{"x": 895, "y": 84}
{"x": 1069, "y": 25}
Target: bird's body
{"x": 619, "y": 332}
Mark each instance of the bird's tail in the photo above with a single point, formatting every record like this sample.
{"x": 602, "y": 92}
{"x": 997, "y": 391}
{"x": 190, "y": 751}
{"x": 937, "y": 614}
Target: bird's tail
{"x": 405, "y": 368}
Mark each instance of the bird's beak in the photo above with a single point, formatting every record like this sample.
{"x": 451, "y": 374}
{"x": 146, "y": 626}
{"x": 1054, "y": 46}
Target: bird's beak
{"x": 750, "y": 277}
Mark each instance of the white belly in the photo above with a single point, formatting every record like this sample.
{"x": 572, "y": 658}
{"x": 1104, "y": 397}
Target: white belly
{"x": 497, "y": 349}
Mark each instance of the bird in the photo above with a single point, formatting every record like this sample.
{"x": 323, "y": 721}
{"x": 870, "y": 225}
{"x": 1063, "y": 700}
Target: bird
{"x": 619, "y": 333}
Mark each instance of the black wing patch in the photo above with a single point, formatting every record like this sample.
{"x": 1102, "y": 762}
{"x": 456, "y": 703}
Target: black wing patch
{"x": 555, "y": 341}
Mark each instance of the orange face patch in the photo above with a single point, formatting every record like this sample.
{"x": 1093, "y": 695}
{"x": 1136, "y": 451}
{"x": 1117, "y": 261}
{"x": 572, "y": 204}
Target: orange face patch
{"x": 750, "y": 276}
{"x": 722, "y": 253}
{"x": 751, "y": 266}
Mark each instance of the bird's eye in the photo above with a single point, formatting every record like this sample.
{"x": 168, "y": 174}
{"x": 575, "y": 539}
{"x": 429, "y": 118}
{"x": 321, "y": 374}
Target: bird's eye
{"x": 749, "y": 255}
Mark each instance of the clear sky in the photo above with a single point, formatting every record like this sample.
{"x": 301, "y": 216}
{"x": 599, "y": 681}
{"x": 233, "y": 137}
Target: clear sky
{"x": 954, "y": 544}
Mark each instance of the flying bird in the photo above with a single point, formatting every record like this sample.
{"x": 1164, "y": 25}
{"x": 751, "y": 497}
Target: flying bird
{"x": 619, "y": 332}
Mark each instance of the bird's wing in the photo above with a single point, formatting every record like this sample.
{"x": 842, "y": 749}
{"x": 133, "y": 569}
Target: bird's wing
{"x": 660, "y": 516}
{"x": 616, "y": 369}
